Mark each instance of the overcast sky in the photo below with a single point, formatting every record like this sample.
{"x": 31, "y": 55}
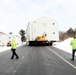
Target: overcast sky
{"x": 15, "y": 14}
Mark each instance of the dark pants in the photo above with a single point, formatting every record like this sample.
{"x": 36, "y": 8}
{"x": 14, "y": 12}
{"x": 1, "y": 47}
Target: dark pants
{"x": 73, "y": 53}
{"x": 14, "y": 54}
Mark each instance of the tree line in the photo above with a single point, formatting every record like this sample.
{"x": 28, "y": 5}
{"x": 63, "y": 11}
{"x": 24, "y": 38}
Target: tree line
{"x": 71, "y": 32}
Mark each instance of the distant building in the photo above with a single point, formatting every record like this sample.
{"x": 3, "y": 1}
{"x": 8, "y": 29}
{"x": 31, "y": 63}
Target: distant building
{"x": 5, "y": 38}
{"x": 17, "y": 38}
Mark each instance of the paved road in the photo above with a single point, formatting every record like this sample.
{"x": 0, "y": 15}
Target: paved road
{"x": 42, "y": 60}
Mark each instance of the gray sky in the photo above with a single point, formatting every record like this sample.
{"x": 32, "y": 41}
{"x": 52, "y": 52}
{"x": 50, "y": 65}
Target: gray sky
{"x": 15, "y": 14}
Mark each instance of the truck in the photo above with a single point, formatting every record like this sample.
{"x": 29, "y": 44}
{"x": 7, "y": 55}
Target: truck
{"x": 42, "y": 31}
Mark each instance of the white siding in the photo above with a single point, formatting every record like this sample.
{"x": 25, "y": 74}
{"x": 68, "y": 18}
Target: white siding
{"x": 4, "y": 39}
{"x": 41, "y": 26}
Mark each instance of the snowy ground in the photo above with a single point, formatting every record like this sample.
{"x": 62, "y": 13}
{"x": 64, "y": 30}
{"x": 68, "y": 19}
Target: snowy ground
{"x": 65, "y": 45}
{"x": 5, "y": 48}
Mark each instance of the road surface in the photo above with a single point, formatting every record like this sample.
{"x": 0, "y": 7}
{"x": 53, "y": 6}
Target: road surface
{"x": 37, "y": 60}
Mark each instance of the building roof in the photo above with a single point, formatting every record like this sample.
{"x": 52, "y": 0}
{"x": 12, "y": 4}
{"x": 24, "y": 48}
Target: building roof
{"x": 3, "y": 33}
{"x": 43, "y": 18}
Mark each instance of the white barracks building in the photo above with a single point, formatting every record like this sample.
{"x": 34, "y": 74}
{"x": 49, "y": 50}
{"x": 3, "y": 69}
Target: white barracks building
{"x": 42, "y": 26}
{"x": 5, "y": 38}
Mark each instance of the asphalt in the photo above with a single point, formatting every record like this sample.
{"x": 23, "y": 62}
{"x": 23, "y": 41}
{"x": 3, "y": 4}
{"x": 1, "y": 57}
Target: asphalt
{"x": 37, "y": 60}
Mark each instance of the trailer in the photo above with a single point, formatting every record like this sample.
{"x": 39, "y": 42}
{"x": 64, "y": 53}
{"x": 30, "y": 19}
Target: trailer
{"x": 42, "y": 31}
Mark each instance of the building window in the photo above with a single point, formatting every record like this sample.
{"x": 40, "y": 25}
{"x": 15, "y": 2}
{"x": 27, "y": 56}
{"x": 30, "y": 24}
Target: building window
{"x": 53, "y": 23}
{"x": 53, "y": 32}
{"x": 44, "y": 34}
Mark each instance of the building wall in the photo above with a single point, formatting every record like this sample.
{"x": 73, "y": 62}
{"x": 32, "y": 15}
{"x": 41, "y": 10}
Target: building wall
{"x": 41, "y": 26}
{"x": 5, "y": 38}
{"x": 17, "y": 38}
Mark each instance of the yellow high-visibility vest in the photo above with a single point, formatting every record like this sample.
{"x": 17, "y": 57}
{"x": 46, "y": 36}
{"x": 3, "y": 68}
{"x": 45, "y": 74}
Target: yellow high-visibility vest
{"x": 13, "y": 44}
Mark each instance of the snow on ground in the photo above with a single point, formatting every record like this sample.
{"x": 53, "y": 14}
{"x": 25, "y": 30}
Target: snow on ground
{"x": 64, "y": 45}
{"x": 5, "y": 48}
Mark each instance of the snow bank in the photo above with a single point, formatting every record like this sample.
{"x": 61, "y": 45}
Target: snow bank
{"x": 64, "y": 45}
{"x": 5, "y": 48}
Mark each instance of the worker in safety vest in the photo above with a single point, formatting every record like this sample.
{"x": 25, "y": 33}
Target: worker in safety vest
{"x": 13, "y": 49}
{"x": 73, "y": 44}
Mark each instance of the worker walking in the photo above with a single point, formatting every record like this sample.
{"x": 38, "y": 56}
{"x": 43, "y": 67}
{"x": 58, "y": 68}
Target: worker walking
{"x": 13, "y": 49}
{"x": 73, "y": 44}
